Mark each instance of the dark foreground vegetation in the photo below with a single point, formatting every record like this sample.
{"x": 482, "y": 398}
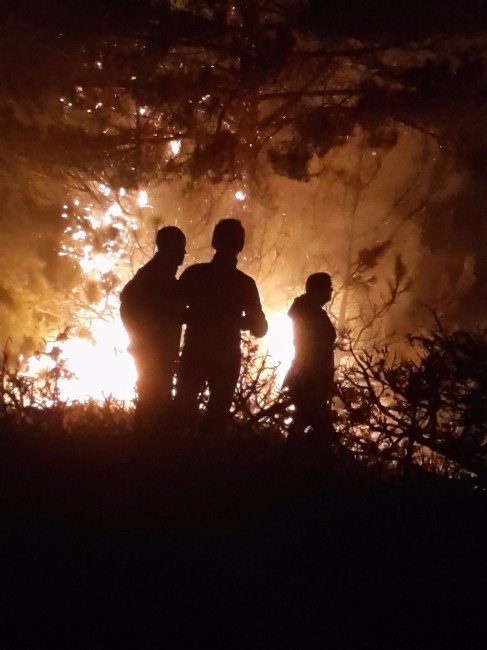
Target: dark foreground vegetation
{"x": 247, "y": 537}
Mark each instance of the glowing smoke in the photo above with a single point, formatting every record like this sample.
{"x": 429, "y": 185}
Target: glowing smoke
{"x": 63, "y": 266}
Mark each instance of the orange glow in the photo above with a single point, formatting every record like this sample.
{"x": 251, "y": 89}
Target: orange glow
{"x": 278, "y": 343}
{"x": 101, "y": 365}
{"x": 104, "y": 368}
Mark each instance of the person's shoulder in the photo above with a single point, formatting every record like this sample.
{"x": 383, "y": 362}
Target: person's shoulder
{"x": 299, "y": 306}
{"x": 137, "y": 285}
{"x": 194, "y": 269}
{"x": 245, "y": 279}
{"x": 144, "y": 275}
{"x": 193, "y": 273}
{"x": 134, "y": 281}
{"x": 145, "y": 271}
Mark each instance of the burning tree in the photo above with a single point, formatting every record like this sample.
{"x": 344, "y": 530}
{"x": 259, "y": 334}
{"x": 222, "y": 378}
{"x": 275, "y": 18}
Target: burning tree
{"x": 335, "y": 136}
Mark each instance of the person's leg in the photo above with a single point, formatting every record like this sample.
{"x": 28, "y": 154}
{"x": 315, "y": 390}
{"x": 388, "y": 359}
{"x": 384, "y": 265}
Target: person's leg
{"x": 148, "y": 390}
{"x": 321, "y": 421}
{"x": 298, "y": 388}
{"x": 191, "y": 377}
{"x": 223, "y": 375}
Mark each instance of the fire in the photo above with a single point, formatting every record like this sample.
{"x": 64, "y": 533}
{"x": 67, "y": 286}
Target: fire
{"x": 98, "y": 360}
{"x": 278, "y": 343}
{"x": 96, "y": 237}
{"x": 102, "y": 367}
{"x": 143, "y": 199}
{"x": 175, "y": 147}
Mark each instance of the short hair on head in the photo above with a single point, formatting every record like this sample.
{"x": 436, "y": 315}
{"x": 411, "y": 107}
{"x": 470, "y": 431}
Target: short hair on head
{"x": 228, "y": 235}
{"x": 170, "y": 237}
{"x": 317, "y": 281}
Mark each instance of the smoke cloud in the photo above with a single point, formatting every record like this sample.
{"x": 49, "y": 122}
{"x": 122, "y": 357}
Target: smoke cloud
{"x": 404, "y": 218}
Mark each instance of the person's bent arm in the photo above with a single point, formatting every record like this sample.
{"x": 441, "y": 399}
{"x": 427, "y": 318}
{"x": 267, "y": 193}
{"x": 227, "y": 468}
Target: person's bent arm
{"x": 254, "y": 319}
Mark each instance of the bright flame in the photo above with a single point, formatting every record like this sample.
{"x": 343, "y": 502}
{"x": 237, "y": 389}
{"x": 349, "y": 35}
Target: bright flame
{"x": 104, "y": 189}
{"x": 142, "y": 199}
{"x": 175, "y": 147}
{"x": 99, "y": 263}
{"x": 115, "y": 210}
{"x": 101, "y": 367}
{"x": 278, "y": 343}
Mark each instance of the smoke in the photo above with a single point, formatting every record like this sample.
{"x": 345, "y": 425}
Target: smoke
{"x": 400, "y": 225}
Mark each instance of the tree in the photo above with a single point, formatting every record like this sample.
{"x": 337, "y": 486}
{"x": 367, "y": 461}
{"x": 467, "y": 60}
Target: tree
{"x": 208, "y": 95}
{"x": 243, "y": 86}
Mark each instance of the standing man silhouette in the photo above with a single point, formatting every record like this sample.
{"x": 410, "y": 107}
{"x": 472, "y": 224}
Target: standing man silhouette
{"x": 152, "y": 313}
{"x": 310, "y": 378}
{"x": 221, "y": 302}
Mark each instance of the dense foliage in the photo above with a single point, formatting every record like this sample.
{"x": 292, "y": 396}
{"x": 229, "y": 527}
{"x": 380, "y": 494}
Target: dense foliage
{"x": 245, "y": 86}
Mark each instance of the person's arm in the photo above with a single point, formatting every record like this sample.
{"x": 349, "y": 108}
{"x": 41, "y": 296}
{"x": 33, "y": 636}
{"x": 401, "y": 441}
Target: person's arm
{"x": 137, "y": 312}
{"x": 254, "y": 318}
{"x": 184, "y": 291}
{"x": 129, "y": 305}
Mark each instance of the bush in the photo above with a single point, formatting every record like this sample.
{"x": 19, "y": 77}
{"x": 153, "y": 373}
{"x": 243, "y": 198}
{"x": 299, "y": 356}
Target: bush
{"x": 428, "y": 409}
{"x": 423, "y": 413}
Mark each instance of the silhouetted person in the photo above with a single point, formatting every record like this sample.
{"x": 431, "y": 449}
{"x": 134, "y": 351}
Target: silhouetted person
{"x": 152, "y": 313}
{"x": 221, "y": 302}
{"x": 310, "y": 378}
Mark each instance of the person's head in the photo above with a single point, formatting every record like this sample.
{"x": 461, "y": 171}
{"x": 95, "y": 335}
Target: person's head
{"x": 319, "y": 286}
{"x": 228, "y": 236}
{"x": 171, "y": 244}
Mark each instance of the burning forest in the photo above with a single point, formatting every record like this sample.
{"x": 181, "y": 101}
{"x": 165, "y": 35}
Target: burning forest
{"x": 242, "y": 320}
{"x": 356, "y": 151}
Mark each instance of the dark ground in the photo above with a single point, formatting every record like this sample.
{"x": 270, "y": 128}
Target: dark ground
{"x": 110, "y": 541}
